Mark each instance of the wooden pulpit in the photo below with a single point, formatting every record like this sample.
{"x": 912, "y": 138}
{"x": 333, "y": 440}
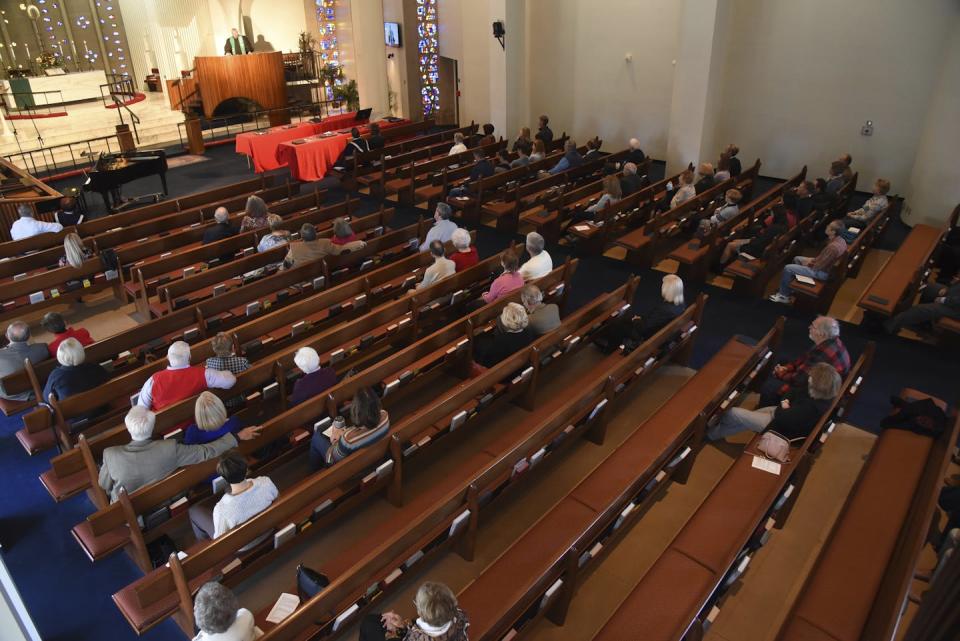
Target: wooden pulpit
{"x": 256, "y": 76}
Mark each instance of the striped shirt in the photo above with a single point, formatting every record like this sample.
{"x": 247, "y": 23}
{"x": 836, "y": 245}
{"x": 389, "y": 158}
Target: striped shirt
{"x": 356, "y": 438}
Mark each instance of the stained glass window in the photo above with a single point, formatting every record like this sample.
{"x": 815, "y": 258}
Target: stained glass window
{"x": 428, "y": 49}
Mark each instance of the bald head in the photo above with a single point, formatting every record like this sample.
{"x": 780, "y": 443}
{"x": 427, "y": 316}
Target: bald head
{"x": 221, "y": 215}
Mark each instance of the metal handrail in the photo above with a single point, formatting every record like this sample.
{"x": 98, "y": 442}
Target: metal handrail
{"x": 134, "y": 118}
{"x": 42, "y": 161}
{"x": 35, "y": 108}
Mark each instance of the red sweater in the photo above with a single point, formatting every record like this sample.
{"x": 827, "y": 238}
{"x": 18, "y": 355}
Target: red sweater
{"x": 465, "y": 259}
{"x": 80, "y": 334}
{"x": 173, "y": 385}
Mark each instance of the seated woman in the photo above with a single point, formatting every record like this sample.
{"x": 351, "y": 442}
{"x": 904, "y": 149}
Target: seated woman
{"x": 466, "y": 254}
{"x": 794, "y": 417}
{"x": 278, "y": 235}
{"x": 343, "y": 234}
{"x": 682, "y": 195}
{"x": 74, "y": 376}
{"x": 56, "y": 325}
{"x": 438, "y": 617}
{"x": 729, "y": 210}
{"x": 936, "y": 301}
{"x": 760, "y": 236}
{"x": 611, "y": 195}
{"x": 723, "y": 168}
{"x": 539, "y": 151}
{"x": 74, "y": 251}
{"x": 255, "y": 214}
{"x": 633, "y": 331}
{"x": 315, "y": 380}
{"x": 245, "y": 499}
{"x": 369, "y": 423}
{"x": 219, "y": 616}
{"x": 511, "y": 334}
{"x": 211, "y": 422}
{"x": 510, "y": 280}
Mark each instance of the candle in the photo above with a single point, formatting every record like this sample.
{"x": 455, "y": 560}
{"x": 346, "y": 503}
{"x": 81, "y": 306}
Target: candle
{"x": 27, "y": 47}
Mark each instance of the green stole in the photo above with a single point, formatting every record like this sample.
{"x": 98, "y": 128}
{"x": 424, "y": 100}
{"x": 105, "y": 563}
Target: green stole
{"x": 233, "y": 45}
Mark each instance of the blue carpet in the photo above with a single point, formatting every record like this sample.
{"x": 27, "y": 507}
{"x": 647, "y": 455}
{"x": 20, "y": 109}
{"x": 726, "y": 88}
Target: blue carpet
{"x": 69, "y": 596}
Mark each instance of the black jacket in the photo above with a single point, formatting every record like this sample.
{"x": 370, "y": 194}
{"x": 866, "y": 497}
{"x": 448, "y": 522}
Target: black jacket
{"x": 630, "y": 184}
{"x": 218, "y": 231}
{"x": 655, "y": 319}
{"x": 493, "y": 347}
{"x": 801, "y": 417}
{"x": 734, "y": 167}
{"x": 246, "y": 43}
{"x": 545, "y": 134}
{"x": 375, "y": 142}
{"x": 482, "y": 169}
{"x": 703, "y": 184}
{"x": 636, "y": 156}
{"x": 762, "y": 240}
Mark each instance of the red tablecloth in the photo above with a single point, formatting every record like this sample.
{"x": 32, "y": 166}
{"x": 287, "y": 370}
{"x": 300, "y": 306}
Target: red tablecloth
{"x": 261, "y": 146}
{"x": 311, "y": 160}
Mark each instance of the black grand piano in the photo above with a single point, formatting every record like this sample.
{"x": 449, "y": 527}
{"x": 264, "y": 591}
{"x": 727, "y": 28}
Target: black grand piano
{"x": 110, "y": 171}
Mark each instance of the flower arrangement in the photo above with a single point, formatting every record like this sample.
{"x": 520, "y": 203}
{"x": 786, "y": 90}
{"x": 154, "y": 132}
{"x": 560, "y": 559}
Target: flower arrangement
{"x": 49, "y": 60}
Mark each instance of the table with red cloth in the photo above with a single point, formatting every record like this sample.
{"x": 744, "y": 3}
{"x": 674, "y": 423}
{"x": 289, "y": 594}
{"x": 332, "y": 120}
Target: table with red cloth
{"x": 261, "y": 146}
{"x": 312, "y": 159}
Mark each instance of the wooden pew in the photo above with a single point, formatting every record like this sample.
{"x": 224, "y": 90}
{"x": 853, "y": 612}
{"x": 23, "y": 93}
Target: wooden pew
{"x": 696, "y": 257}
{"x": 647, "y": 244}
{"x": 323, "y": 495}
{"x": 894, "y": 287}
{"x": 818, "y": 298}
{"x": 427, "y": 180}
{"x": 678, "y": 597}
{"x": 859, "y": 584}
{"x": 369, "y": 570}
{"x": 537, "y": 575}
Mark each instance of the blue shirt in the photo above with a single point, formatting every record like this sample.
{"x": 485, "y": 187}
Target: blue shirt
{"x": 442, "y": 231}
{"x": 193, "y": 435}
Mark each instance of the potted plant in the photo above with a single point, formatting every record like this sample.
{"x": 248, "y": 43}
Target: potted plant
{"x": 349, "y": 94}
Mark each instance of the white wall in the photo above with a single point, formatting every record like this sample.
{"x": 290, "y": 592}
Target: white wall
{"x": 365, "y": 60}
{"x": 396, "y": 66}
{"x": 802, "y": 77}
{"x": 934, "y": 188}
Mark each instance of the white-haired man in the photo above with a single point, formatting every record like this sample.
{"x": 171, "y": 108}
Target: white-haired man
{"x": 630, "y": 183}
{"x": 440, "y": 269}
{"x": 540, "y": 263}
{"x": 12, "y": 357}
{"x": 180, "y": 380}
{"x": 824, "y": 333}
{"x": 27, "y": 226}
{"x": 143, "y": 460}
{"x": 635, "y": 155}
{"x": 220, "y": 229}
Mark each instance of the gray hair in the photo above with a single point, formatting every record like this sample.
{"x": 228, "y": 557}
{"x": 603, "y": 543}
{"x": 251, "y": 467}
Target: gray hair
{"x": 256, "y": 207}
{"x": 570, "y": 145}
{"x": 24, "y": 211}
{"x": 140, "y": 422}
{"x": 308, "y": 232}
{"x": 823, "y": 382}
{"x": 672, "y": 289}
{"x": 221, "y": 215}
{"x": 634, "y": 143}
{"x": 307, "y": 360}
{"x": 458, "y": 137}
{"x": 443, "y": 209}
{"x": 178, "y": 354}
{"x": 535, "y": 243}
{"x": 341, "y": 228}
{"x": 531, "y": 296}
{"x": 629, "y": 168}
{"x": 827, "y": 327}
{"x": 215, "y": 608}
{"x": 460, "y": 238}
{"x": 835, "y": 227}
{"x": 71, "y": 353}
{"x": 514, "y": 317}
{"x": 18, "y": 332}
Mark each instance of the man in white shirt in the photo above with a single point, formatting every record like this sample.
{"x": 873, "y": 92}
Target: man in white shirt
{"x": 28, "y": 226}
{"x": 443, "y": 227}
{"x": 440, "y": 269}
{"x": 458, "y": 146}
{"x": 540, "y": 263}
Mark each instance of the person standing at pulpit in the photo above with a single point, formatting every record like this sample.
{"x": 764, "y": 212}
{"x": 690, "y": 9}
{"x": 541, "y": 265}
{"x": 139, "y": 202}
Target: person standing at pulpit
{"x": 237, "y": 44}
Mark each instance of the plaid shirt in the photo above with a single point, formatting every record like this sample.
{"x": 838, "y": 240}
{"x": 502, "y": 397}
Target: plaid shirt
{"x": 831, "y": 351}
{"x": 232, "y": 364}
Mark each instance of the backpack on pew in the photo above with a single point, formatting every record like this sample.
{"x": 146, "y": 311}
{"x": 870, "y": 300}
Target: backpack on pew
{"x": 774, "y": 446}
{"x": 160, "y": 550}
{"x": 920, "y": 416}
{"x": 310, "y": 582}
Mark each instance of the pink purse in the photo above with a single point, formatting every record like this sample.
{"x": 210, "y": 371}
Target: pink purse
{"x": 774, "y": 446}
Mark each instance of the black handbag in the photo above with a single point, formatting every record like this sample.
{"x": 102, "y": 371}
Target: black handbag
{"x": 310, "y": 582}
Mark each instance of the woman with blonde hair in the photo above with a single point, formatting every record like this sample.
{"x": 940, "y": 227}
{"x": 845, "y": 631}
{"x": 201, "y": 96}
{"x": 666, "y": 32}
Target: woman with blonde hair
{"x": 278, "y": 235}
{"x": 439, "y": 618}
{"x": 630, "y": 333}
{"x": 74, "y": 251}
{"x": 511, "y": 335}
{"x": 211, "y": 422}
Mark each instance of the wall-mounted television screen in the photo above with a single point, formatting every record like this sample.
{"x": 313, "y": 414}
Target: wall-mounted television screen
{"x": 391, "y": 34}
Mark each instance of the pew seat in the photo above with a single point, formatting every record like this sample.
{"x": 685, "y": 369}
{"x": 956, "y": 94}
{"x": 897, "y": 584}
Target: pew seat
{"x": 34, "y": 442}
{"x": 9, "y": 408}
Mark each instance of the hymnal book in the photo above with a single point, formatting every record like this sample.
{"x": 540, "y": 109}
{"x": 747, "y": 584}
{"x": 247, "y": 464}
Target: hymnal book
{"x": 393, "y": 576}
{"x": 175, "y": 434}
{"x": 459, "y": 522}
{"x": 344, "y": 616}
{"x": 599, "y": 406}
{"x": 219, "y": 485}
{"x": 383, "y": 469}
{"x": 360, "y": 300}
{"x": 219, "y": 289}
{"x": 458, "y": 419}
{"x": 537, "y": 456}
{"x": 189, "y": 271}
{"x": 337, "y": 355}
{"x": 253, "y": 308}
{"x": 367, "y": 264}
{"x": 191, "y": 334}
{"x": 550, "y": 592}
{"x": 156, "y": 517}
{"x": 19, "y": 276}
{"x": 300, "y": 435}
{"x": 582, "y": 227}
{"x": 766, "y": 465}
{"x": 323, "y": 507}
{"x": 519, "y": 468}
{"x": 284, "y": 535}
{"x": 284, "y": 607}
{"x": 416, "y": 556}
{"x": 806, "y": 280}
{"x": 298, "y": 328}
{"x": 271, "y": 390}
{"x": 179, "y": 506}
{"x": 180, "y": 555}
{"x": 853, "y": 230}
{"x": 230, "y": 567}
{"x": 746, "y": 256}
{"x": 36, "y": 297}
{"x": 389, "y": 387}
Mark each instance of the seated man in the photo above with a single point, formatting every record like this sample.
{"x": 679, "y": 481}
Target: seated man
{"x": 488, "y": 137}
{"x": 729, "y": 210}
{"x": 758, "y": 237}
{"x": 220, "y": 229}
{"x": 523, "y": 156}
{"x": 631, "y": 332}
{"x": 836, "y": 179}
{"x": 482, "y": 168}
{"x": 375, "y": 140}
{"x": 635, "y": 155}
{"x": 936, "y": 301}
{"x": 18, "y": 349}
{"x": 817, "y": 268}
{"x": 442, "y": 228}
{"x": 571, "y": 159}
{"x": 68, "y": 215}
{"x": 440, "y": 269}
{"x": 27, "y": 226}
{"x": 180, "y": 380}
{"x": 310, "y": 248}
{"x": 458, "y": 146}
{"x": 593, "y": 149}
{"x": 827, "y": 348}
{"x": 793, "y": 418}
{"x": 802, "y": 202}
{"x": 357, "y": 144}
{"x": 631, "y": 182}
{"x": 541, "y": 318}
{"x": 143, "y": 460}
{"x": 859, "y": 218}
{"x": 540, "y": 263}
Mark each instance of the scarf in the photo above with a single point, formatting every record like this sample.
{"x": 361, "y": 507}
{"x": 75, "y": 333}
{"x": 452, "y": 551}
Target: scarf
{"x": 233, "y": 45}
{"x": 433, "y": 630}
